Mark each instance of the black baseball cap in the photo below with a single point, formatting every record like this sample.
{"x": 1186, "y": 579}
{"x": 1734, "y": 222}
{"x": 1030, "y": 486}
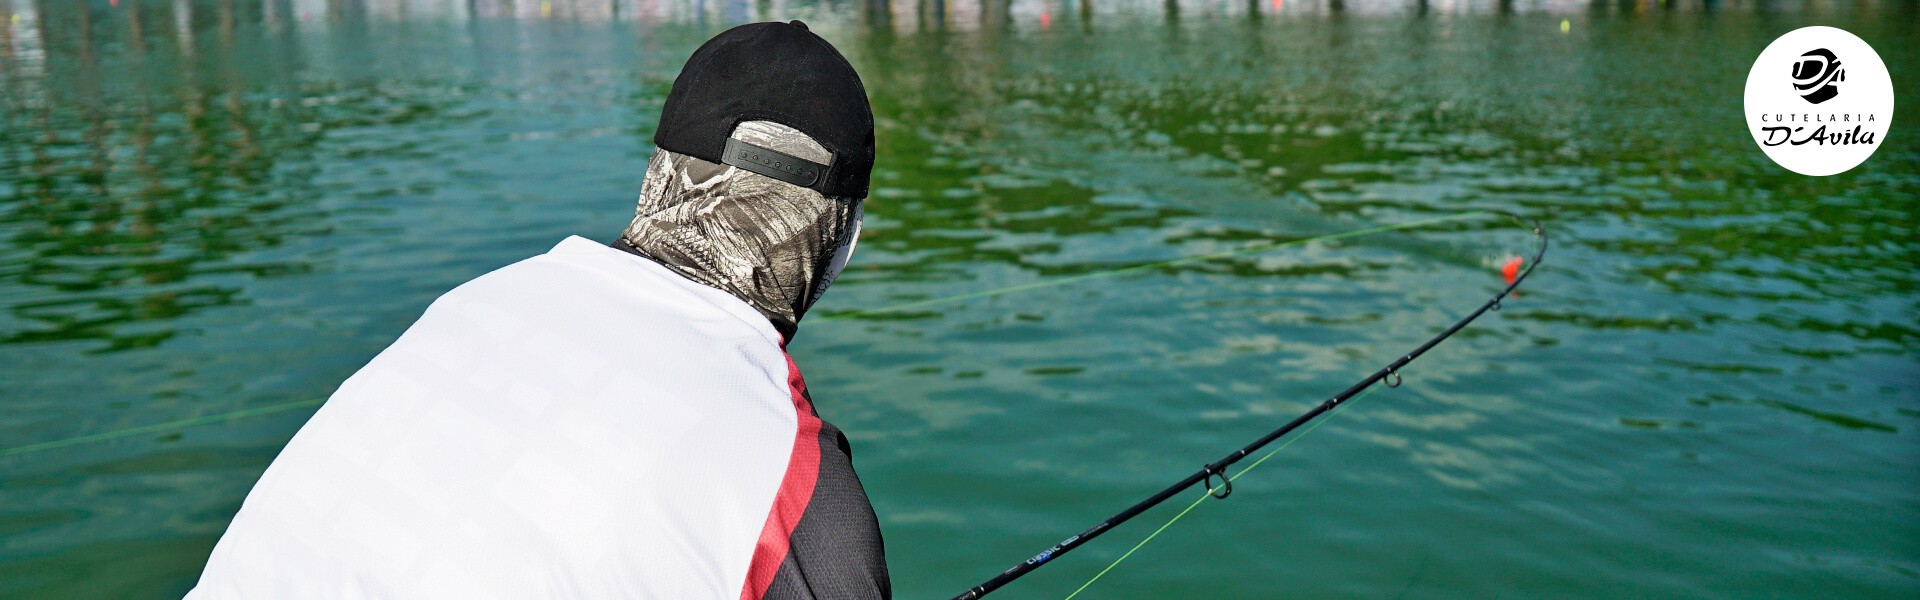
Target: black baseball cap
{"x": 778, "y": 72}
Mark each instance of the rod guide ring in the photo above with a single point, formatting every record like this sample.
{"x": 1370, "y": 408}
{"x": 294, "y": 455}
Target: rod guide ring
{"x": 1221, "y": 491}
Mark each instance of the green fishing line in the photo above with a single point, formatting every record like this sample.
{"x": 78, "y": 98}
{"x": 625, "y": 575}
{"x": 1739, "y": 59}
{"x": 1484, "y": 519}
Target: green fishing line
{"x": 1209, "y": 492}
{"x": 158, "y": 427}
{"x": 269, "y": 409}
{"x": 1150, "y": 266}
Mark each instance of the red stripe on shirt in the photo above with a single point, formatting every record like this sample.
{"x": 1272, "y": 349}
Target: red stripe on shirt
{"x": 796, "y": 488}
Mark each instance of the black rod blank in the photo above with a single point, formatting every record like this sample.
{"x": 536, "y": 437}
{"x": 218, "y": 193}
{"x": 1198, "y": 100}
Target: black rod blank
{"x": 1219, "y": 467}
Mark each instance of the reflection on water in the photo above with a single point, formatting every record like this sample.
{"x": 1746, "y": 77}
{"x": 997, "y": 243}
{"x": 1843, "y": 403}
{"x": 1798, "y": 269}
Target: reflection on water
{"x": 211, "y": 205}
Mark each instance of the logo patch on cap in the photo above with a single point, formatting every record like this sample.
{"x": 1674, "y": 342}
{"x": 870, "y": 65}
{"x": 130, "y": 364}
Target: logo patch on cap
{"x": 772, "y": 163}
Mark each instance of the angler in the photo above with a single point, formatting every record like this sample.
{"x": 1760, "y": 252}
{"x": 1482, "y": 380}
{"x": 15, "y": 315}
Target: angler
{"x": 610, "y": 421}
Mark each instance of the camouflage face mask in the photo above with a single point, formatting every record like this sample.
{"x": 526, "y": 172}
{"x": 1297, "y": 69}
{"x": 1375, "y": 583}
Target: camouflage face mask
{"x": 770, "y": 243}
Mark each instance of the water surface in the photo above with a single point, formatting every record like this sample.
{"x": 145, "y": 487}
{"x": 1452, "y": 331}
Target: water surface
{"x": 1711, "y": 389}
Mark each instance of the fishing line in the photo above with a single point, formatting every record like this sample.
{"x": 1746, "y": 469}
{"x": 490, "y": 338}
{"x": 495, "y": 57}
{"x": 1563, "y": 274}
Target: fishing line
{"x": 273, "y": 408}
{"x": 1389, "y": 374}
{"x": 1210, "y": 494}
{"x": 158, "y": 427}
{"x": 1154, "y": 265}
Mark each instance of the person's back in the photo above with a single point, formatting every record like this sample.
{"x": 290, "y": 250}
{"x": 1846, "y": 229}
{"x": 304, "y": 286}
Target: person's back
{"x": 605, "y": 421}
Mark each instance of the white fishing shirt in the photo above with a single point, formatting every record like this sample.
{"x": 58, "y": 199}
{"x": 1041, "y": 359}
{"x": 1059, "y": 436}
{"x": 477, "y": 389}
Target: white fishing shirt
{"x": 583, "y": 423}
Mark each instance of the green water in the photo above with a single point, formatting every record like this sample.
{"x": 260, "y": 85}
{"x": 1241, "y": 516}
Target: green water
{"x": 1711, "y": 388}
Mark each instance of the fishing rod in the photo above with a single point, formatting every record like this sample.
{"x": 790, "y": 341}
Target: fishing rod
{"x": 1389, "y": 374}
